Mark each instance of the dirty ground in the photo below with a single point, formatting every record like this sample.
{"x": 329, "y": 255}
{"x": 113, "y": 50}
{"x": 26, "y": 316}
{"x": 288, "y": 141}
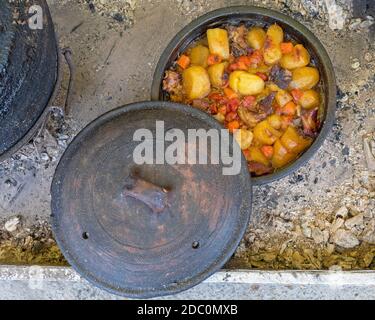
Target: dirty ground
{"x": 321, "y": 217}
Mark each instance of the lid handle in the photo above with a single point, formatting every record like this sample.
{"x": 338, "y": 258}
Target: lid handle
{"x": 154, "y": 196}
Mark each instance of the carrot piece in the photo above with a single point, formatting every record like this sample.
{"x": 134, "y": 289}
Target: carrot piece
{"x": 267, "y": 151}
{"x": 213, "y": 59}
{"x": 233, "y": 125}
{"x": 286, "y": 47}
{"x": 183, "y": 61}
{"x": 297, "y": 94}
{"x": 230, "y": 94}
{"x": 289, "y": 109}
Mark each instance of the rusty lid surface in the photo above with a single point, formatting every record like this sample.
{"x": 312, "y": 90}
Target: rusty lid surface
{"x": 145, "y": 230}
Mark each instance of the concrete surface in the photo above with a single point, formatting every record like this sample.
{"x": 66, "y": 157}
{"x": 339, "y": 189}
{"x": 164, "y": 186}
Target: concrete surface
{"x": 59, "y": 283}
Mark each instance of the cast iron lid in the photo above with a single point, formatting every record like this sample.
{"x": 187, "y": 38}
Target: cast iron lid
{"x": 28, "y": 71}
{"x": 145, "y": 230}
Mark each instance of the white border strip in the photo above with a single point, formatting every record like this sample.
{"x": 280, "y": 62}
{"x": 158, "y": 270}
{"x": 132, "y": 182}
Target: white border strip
{"x": 330, "y": 278}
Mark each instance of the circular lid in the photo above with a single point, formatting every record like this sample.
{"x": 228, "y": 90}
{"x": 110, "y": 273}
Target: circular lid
{"x": 144, "y": 230}
{"x": 28, "y": 70}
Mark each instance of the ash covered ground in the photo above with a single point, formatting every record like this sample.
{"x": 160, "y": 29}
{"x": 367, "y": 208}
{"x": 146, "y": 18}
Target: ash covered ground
{"x": 321, "y": 217}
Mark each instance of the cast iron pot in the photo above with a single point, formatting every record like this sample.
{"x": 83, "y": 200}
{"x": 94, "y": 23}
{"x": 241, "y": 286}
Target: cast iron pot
{"x": 28, "y": 74}
{"x": 263, "y": 17}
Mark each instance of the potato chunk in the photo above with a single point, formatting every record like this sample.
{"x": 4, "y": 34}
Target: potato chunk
{"x": 256, "y": 38}
{"x": 216, "y": 73}
{"x": 309, "y": 99}
{"x": 272, "y": 53}
{"x": 281, "y": 155}
{"x": 196, "y": 82}
{"x": 304, "y": 78}
{"x": 255, "y": 154}
{"x": 283, "y": 97}
{"x": 275, "y": 33}
{"x": 244, "y": 138}
{"x": 246, "y": 83}
{"x": 298, "y": 58}
{"x": 293, "y": 141}
{"x": 265, "y": 134}
{"x": 199, "y": 56}
{"x": 218, "y": 42}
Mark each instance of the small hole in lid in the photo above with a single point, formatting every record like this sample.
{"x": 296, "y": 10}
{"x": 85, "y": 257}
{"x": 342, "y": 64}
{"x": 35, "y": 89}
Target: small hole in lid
{"x": 85, "y": 235}
{"x": 195, "y": 245}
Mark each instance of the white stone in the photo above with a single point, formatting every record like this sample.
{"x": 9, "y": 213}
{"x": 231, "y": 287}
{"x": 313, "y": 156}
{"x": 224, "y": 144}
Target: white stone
{"x": 12, "y": 224}
{"x": 345, "y": 239}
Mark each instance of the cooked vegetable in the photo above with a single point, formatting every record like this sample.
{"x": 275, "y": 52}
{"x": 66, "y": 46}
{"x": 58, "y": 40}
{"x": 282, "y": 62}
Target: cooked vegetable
{"x": 264, "y": 133}
{"x": 281, "y": 155}
{"x": 286, "y": 47}
{"x": 294, "y": 142}
{"x": 267, "y": 151}
{"x": 276, "y": 34}
{"x": 218, "y": 42}
{"x": 297, "y": 58}
{"x": 283, "y": 97}
{"x": 183, "y": 61}
{"x": 199, "y": 56}
{"x": 196, "y": 82}
{"x": 244, "y": 138}
{"x": 256, "y": 155}
{"x": 272, "y": 53}
{"x": 233, "y": 125}
{"x": 309, "y": 99}
{"x": 245, "y": 83}
{"x": 290, "y": 109}
{"x": 275, "y": 121}
{"x": 256, "y": 37}
{"x": 216, "y": 73}
{"x": 304, "y": 78}
{"x": 213, "y": 59}
{"x": 219, "y": 117}
{"x": 262, "y": 88}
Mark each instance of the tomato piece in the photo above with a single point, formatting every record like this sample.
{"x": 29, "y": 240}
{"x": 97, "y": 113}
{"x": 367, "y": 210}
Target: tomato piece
{"x": 231, "y": 116}
{"x": 297, "y": 94}
{"x": 256, "y": 57}
{"x": 234, "y": 104}
{"x": 248, "y": 101}
{"x": 261, "y": 75}
{"x": 213, "y": 108}
{"x": 222, "y": 110}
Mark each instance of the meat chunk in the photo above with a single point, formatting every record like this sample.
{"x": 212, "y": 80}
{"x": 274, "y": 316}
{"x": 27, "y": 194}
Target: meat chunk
{"x": 281, "y": 77}
{"x": 266, "y": 104}
{"x": 172, "y": 82}
{"x": 238, "y": 43}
